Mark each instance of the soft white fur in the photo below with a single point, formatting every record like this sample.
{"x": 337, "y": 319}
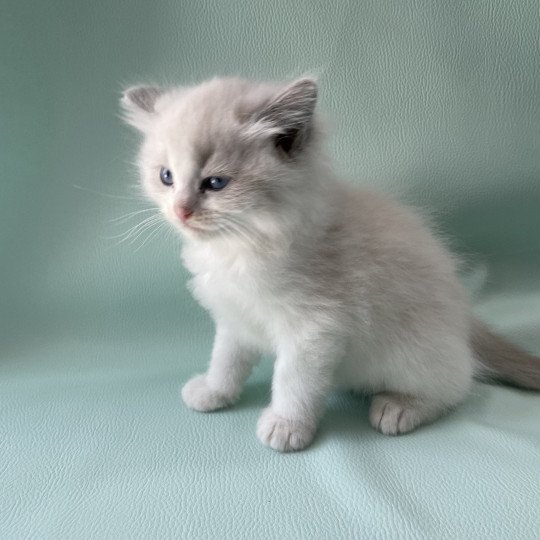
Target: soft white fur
{"x": 346, "y": 288}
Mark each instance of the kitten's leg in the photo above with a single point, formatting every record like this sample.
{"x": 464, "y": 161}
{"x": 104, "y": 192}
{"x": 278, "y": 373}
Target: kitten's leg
{"x": 220, "y": 386}
{"x": 423, "y": 386}
{"x": 397, "y": 412}
{"x": 303, "y": 377}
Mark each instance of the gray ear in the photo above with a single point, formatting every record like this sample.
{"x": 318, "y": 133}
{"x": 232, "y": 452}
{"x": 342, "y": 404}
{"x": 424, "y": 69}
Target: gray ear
{"x": 142, "y": 97}
{"x": 138, "y": 103}
{"x": 290, "y": 114}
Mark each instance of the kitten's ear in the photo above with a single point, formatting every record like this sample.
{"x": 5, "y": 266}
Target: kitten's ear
{"x": 290, "y": 114}
{"x": 138, "y": 103}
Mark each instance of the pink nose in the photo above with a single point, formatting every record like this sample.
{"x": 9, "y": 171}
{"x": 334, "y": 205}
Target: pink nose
{"x": 183, "y": 213}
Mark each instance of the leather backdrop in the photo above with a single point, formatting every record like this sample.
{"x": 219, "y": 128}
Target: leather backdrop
{"x": 436, "y": 100}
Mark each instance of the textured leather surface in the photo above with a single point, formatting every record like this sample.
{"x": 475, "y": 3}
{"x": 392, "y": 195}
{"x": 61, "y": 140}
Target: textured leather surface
{"x": 437, "y": 100}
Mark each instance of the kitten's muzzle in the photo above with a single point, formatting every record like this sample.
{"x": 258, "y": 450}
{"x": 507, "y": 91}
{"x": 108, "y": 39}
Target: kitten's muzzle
{"x": 183, "y": 212}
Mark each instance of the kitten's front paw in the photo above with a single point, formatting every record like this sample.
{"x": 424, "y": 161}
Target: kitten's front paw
{"x": 199, "y": 396}
{"x": 282, "y": 434}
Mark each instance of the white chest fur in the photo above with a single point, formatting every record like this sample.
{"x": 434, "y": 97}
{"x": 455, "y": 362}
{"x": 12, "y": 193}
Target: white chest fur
{"x": 236, "y": 287}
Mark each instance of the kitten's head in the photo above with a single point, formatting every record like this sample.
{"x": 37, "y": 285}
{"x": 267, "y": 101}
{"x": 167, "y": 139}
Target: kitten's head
{"x": 227, "y": 156}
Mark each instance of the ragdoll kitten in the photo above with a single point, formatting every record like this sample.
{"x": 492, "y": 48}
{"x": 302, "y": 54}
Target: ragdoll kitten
{"x": 345, "y": 287}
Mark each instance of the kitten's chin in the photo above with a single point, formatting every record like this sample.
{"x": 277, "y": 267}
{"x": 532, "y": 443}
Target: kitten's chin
{"x": 193, "y": 232}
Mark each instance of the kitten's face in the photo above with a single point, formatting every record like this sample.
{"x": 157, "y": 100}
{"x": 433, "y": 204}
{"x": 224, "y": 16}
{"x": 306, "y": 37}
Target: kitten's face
{"x": 224, "y": 157}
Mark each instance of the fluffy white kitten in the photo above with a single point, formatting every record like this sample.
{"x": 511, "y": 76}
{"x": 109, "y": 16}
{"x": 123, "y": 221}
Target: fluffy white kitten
{"x": 345, "y": 287}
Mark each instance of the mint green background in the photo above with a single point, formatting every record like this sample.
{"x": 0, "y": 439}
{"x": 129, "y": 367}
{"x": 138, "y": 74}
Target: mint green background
{"x": 437, "y": 101}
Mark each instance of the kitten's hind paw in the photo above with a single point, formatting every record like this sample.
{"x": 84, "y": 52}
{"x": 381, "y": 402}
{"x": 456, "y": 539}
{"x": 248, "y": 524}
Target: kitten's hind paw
{"x": 395, "y": 414}
{"x": 199, "y": 396}
{"x": 282, "y": 434}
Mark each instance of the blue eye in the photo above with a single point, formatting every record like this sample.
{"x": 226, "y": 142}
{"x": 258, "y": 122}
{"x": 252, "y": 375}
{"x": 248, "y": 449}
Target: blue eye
{"x": 166, "y": 176}
{"x": 214, "y": 183}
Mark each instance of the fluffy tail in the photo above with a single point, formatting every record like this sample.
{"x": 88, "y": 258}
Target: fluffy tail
{"x": 502, "y": 361}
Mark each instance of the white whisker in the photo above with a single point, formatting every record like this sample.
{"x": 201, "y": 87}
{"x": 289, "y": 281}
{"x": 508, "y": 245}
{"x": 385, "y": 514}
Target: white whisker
{"x": 129, "y": 215}
{"x": 142, "y": 230}
{"x": 133, "y": 230}
{"x": 152, "y": 234}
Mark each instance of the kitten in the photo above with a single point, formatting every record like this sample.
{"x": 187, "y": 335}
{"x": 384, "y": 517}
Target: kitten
{"x": 345, "y": 287}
